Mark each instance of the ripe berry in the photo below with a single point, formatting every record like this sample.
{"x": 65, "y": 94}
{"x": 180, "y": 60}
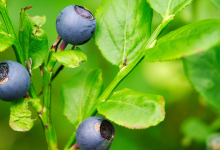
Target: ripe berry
{"x": 95, "y": 133}
{"x": 14, "y": 81}
{"x": 75, "y": 24}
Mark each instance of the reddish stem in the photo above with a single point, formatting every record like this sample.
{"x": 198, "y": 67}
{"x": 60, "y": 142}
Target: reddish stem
{"x": 62, "y": 46}
{"x": 26, "y": 96}
{"x": 75, "y": 146}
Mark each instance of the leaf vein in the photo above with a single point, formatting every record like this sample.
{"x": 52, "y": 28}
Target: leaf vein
{"x": 125, "y": 34}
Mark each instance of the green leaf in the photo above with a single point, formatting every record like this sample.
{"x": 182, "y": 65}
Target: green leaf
{"x": 123, "y": 28}
{"x": 216, "y": 3}
{"x": 33, "y": 40}
{"x": 168, "y": 7}
{"x": 5, "y": 39}
{"x": 185, "y": 41}
{"x": 2, "y": 4}
{"x": 135, "y": 110}
{"x": 203, "y": 71}
{"x": 195, "y": 129}
{"x": 70, "y": 58}
{"x": 3, "y": 1}
{"x": 20, "y": 116}
{"x": 80, "y": 95}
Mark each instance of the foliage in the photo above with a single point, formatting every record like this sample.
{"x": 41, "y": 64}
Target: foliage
{"x": 80, "y": 95}
{"x": 124, "y": 38}
{"x": 128, "y": 108}
{"x": 188, "y": 40}
{"x": 70, "y": 58}
{"x": 203, "y": 72}
{"x": 33, "y": 40}
{"x": 125, "y": 26}
{"x": 168, "y": 7}
{"x": 20, "y": 116}
{"x": 5, "y": 39}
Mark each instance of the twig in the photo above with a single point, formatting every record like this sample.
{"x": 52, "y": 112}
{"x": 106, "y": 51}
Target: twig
{"x": 53, "y": 77}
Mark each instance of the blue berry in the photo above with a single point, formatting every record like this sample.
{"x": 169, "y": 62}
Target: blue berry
{"x": 14, "y": 81}
{"x": 75, "y": 25}
{"x": 95, "y": 133}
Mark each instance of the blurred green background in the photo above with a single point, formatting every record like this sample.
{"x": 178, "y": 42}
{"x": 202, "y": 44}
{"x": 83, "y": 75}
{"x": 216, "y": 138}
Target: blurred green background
{"x": 166, "y": 79}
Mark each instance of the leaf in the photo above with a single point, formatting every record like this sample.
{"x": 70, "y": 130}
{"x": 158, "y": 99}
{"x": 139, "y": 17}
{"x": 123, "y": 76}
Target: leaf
{"x": 80, "y": 95}
{"x": 203, "y": 71}
{"x": 70, "y": 58}
{"x": 216, "y": 3}
{"x": 20, "y": 116}
{"x": 168, "y": 7}
{"x": 5, "y": 39}
{"x": 192, "y": 126}
{"x": 185, "y": 41}
{"x": 33, "y": 40}
{"x": 2, "y": 4}
{"x": 123, "y": 28}
{"x": 135, "y": 110}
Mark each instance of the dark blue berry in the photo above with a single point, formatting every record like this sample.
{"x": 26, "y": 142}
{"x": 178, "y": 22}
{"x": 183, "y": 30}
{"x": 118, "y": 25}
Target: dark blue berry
{"x": 95, "y": 133}
{"x": 75, "y": 25}
{"x": 14, "y": 81}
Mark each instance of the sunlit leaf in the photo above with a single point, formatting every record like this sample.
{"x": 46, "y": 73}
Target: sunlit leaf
{"x": 135, "y": 110}
{"x": 20, "y": 116}
{"x": 168, "y": 7}
{"x": 185, "y": 41}
{"x": 123, "y": 28}
{"x": 71, "y": 58}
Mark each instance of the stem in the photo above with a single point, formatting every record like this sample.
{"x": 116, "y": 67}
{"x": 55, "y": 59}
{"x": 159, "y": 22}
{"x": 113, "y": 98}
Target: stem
{"x": 127, "y": 69}
{"x": 54, "y": 76}
{"x": 57, "y": 72}
{"x": 52, "y": 61}
{"x": 76, "y": 146}
{"x": 70, "y": 143}
{"x": 46, "y": 114}
{"x": 18, "y": 52}
{"x": 36, "y": 105}
{"x": 62, "y": 46}
{"x": 124, "y": 71}
{"x": 17, "y": 47}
